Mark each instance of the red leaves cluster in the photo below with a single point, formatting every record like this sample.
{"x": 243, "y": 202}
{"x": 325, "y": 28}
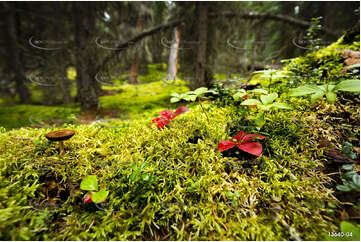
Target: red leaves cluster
{"x": 244, "y": 142}
{"x": 167, "y": 116}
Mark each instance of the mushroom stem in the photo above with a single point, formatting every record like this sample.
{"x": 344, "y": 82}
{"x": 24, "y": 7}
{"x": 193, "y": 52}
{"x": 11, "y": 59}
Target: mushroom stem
{"x": 61, "y": 145}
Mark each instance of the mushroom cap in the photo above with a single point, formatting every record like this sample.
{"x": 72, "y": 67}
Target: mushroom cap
{"x": 60, "y": 135}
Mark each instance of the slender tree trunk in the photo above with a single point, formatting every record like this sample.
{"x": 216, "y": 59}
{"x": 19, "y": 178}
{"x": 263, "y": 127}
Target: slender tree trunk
{"x": 173, "y": 55}
{"x": 200, "y": 78}
{"x": 14, "y": 58}
{"x": 88, "y": 87}
{"x": 134, "y": 69}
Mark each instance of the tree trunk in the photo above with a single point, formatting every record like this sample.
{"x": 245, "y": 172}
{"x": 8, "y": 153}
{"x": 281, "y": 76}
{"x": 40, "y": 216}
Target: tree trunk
{"x": 173, "y": 55}
{"x": 201, "y": 62}
{"x": 88, "y": 87}
{"x": 134, "y": 69}
{"x": 16, "y": 65}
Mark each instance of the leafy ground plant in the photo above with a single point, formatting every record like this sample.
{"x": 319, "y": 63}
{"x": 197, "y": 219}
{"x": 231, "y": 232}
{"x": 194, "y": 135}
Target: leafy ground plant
{"x": 199, "y": 94}
{"x": 267, "y": 102}
{"x": 328, "y": 90}
{"x": 244, "y": 142}
{"x": 90, "y": 183}
{"x": 350, "y": 179}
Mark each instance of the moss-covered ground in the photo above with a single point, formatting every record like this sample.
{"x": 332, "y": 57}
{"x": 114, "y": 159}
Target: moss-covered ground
{"x": 174, "y": 183}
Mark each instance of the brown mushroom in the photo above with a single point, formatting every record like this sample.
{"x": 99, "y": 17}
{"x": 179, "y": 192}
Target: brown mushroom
{"x": 60, "y": 136}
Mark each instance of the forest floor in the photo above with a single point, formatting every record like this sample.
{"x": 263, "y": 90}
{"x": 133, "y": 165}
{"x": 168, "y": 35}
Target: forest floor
{"x": 220, "y": 169}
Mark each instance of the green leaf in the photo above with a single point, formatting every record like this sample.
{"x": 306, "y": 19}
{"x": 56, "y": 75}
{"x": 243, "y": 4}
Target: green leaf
{"x": 259, "y": 91}
{"x": 89, "y": 183}
{"x": 281, "y": 105}
{"x": 349, "y": 175}
{"x": 174, "y": 100}
{"x": 174, "y": 94}
{"x": 348, "y": 86}
{"x": 348, "y": 228}
{"x": 190, "y": 97}
{"x": 348, "y": 167}
{"x": 343, "y": 188}
{"x": 237, "y": 194}
{"x": 356, "y": 180}
{"x": 304, "y": 90}
{"x": 353, "y": 66}
{"x": 100, "y": 196}
{"x": 331, "y": 205}
{"x": 201, "y": 90}
{"x": 265, "y": 107}
{"x": 323, "y": 87}
{"x": 331, "y": 97}
{"x": 251, "y": 102}
{"x": 331, "y": 87}
{"x": 237, "y": 96}
{"x": 269, "y": 98}
{"x": 316, "y": 96}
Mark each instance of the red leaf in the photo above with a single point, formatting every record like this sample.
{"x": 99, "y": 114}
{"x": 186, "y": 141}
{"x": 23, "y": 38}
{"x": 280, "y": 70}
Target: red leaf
{"x": 180, "y": 110}
{"x": 166, "y": 114}
{"x": 163, "y": 122}
{"x": 226, "y": 145}
{"x": 253, "y": 148}
{"x": 88, "y": 198}
{"x": 239, "y": 136}
{"x": 249, "y": 137}
{"x": 252, "y": 106}
{"x": 156, "y": 120}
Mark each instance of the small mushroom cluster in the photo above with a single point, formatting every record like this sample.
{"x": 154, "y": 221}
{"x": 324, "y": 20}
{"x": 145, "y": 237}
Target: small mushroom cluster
{"x": 60, "y": 136}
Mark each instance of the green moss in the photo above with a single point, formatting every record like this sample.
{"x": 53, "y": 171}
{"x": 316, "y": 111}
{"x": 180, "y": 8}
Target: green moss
{"x": 33, "y": 115}
{"x": 142, "y": 100}
{"x": 168, "y": 208}
{"x": 283, "y": 194}
{"x": 310, "y": 68}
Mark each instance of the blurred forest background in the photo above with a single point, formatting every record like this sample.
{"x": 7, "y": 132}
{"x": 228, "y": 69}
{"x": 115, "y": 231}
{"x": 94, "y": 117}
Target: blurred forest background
{"x": 55, "y": 53}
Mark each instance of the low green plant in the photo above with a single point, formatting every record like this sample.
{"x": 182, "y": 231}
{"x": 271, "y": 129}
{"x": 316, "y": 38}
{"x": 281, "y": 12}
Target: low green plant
{"x": 269, "y": 75}
{"x": 350, "y": 179}
{"x": 267, "y": 102}
{"x": 328, "y": 90}
{"x": 347, "y": 150}
{"x": 233, "y": 196}
{"x": 192, "y": 96}
{"x": 90, "y": 183}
